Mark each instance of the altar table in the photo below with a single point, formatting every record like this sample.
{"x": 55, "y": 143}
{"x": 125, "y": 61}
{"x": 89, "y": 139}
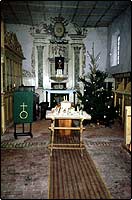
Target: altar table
{"x": 81, "y": 116}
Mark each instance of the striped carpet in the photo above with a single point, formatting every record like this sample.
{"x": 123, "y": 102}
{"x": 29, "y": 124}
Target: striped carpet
{"x": 75, "y": 177}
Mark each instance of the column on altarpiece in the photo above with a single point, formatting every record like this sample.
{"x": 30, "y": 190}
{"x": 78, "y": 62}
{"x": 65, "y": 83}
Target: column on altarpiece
{"x": 40, "y": 65}
{"x": 76, "y": 65}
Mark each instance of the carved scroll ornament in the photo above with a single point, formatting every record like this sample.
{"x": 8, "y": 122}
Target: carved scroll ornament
{"x": 12, "y": 43}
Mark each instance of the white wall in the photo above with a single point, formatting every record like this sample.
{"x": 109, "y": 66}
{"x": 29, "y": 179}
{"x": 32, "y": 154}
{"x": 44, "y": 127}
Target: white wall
{"x": 99, "y": 37}
{"x": 122, "y": 24}
{"x": 26, "y": 41}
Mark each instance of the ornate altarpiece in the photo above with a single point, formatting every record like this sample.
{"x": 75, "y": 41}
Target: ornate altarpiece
{"x": 47, "y": 47}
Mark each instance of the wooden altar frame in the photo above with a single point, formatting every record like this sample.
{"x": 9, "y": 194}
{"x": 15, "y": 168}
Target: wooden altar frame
{"x": 53, "y": 127}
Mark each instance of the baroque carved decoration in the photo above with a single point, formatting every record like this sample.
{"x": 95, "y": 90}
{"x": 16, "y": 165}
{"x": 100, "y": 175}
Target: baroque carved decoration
{"x": 57, "y": 28}
{"x": 78, "y": 29}
{"x": 12, "y": 43}
{"x": 27, "y": 73}
{"x": 59, "y": 49}
{"x": 48, "y": 28}
{"x": 33, "y": 61}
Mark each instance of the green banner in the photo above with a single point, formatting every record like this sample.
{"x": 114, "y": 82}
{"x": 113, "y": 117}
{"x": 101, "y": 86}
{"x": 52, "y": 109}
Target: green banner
{"x": 23, "y": 107}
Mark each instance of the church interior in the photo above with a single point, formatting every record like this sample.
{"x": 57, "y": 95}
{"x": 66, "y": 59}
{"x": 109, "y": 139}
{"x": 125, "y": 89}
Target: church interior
{"x": 65, "y": 86}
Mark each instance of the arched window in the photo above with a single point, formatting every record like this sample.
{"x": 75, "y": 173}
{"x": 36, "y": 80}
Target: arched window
{"x": 118, "y": 49}
{"x": 115, "y": 49}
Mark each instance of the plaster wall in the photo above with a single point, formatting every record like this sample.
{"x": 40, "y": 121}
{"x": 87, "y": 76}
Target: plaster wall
{"x": 121, "y": 25}
{"x": 98, "y": 36}
{"x": 25, "y": 39}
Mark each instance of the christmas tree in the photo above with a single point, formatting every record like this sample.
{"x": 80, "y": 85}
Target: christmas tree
{"x": 97, "y": 100}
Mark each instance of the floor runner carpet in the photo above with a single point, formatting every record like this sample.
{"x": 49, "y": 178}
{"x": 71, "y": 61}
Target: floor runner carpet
{"x": 73, "y": 176}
